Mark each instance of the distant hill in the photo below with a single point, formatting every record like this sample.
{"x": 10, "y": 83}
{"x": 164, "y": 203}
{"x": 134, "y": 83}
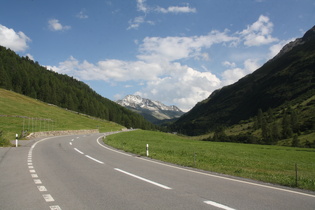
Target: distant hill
{"x": 24, "y": 76}
{"x": 154, "y": 111}
{"x": 287, "y": 77}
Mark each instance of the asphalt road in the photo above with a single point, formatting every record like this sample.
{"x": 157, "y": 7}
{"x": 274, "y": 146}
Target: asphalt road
{"x": 79, "y": 172}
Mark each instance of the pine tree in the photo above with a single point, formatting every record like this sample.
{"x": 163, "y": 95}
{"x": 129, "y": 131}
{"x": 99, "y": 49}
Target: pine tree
{"x": 295, "y": 141}
{"x": 275, "y": 132}
{"x": 266, "y": 132}
{"x": 286, "y": 126}
{"x": 295, "y": 122}
{"x": 220, "y": 135}
{"x": 260, "y": 117}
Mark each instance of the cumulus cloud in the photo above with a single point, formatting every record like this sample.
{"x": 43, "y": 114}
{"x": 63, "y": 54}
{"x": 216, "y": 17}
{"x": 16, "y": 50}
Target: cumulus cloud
{"x": 233, "y": 74}
{"x": 54, "y": 25}
{"x": 259, "y": 33}
{"x": 168, "y": 82}
{"x": 157, "y": 49}
{"x": 159, "y": 70}
{"x": 183, "y": 86}
{"x": 109, "y": 70}
{"x": 16, "y": 41}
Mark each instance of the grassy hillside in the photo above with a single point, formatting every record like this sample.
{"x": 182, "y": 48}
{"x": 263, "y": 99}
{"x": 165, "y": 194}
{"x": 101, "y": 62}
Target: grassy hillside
{"x": 287, "y": 77}
{"x": 273, "y": 164}
{"x": 27, "y": 77}
{"x": 18, "y": 111}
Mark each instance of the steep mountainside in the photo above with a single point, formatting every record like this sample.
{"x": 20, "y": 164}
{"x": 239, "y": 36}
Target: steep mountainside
{"x": 27, "y": 77}
{"x": 286, "y": 77}
{"x": 154, "y": 111}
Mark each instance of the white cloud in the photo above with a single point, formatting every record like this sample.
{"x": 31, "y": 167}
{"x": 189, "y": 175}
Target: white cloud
{"x": 176, "y": 9}
{"x": 137, "y": 21}
{"x": 168, "y": 82}
{"x": 233, "y": 74}
{"x": 229, "y": 64}
{"x": 141, "y": 6}
{"x": 183, "y": 86}
{"x": 159, "y": 49}
{"x": 275, "y": 49}
{"x": 162, "y": 75}
{"x": 259, "y": 33}
{"x": 54, "y": 25}
{"x": 30, "y": 56}
{"x": 82, "y": 15}
{"x": 110, "y": 70}
{"x": 145, "y": 9}
{"x": 16, "y": 41}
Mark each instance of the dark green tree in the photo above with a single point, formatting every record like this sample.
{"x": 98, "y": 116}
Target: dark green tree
{"x": 220, "y": 135}
{"x": 295, "y": 141}
{"x": 286, "y": 126}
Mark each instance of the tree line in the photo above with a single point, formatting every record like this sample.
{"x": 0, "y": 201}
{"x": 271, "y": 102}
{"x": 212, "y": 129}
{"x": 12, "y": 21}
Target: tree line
{"x": 272, "y": 126}
{"x": 24, "y": 76}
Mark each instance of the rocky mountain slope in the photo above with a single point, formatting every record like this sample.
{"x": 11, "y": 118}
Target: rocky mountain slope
{"x": 153, "y": 111}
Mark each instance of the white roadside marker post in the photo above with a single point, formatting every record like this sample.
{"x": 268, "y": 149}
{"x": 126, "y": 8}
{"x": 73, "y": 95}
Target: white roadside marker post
{"x": 16, "y": 140}
{"x": 147, "y": 150}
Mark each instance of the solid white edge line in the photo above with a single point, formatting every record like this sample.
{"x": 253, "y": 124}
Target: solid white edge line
{"x": 211, "y": 175}
{"x": 218, "y": 205}
{"x": 143, "y": 179}
{"x": 110, "y": 148}
{"x": 78, "y": 151}
{"x": 94, "y": 159}
{"x": 230, "y": 179}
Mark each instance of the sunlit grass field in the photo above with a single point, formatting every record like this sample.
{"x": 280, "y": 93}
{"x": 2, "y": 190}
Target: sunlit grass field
{"x": 272, "y": 164}
{"x": 18, "y": 112}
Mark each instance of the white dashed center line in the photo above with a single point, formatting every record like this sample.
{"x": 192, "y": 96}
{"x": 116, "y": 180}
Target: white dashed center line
{"x": 48, "y": 198}
{"x": 78, "y": 151}
{"x": 42, "y": 188}
{"x": 143, "y": 179}
{"x": 38, "y": 182}
{"x": 94, "y": 159}
{"x": 218, "y": 205}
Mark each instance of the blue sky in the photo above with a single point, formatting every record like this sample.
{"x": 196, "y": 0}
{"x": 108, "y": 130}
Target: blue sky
{"x": 177, "y": 52}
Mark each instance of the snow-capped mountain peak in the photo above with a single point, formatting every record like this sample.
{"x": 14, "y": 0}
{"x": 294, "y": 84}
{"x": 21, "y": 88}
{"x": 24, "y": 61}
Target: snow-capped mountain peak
{"x": 147, "y": 107}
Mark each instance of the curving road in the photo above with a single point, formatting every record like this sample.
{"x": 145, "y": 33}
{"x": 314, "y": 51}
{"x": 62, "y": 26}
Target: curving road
{"x": 80, "y": 172}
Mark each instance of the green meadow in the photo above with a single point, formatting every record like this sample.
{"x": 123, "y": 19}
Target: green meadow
{"x": 18, "y": 112}
{"x": 272, "y": 164}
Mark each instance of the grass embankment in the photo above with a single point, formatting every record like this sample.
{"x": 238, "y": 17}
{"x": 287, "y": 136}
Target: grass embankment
{"x": 18, "y": 112}
{"x": 273, "y": 164}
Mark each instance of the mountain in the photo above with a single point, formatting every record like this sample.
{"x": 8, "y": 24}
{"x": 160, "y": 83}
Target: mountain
{"x": 290, "y": 75}
{"x": 153, "y": 111}
{"x": 24, "y": 76}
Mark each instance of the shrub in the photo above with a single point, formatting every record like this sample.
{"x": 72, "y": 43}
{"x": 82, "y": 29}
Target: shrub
{"x": 3, "y": 142}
